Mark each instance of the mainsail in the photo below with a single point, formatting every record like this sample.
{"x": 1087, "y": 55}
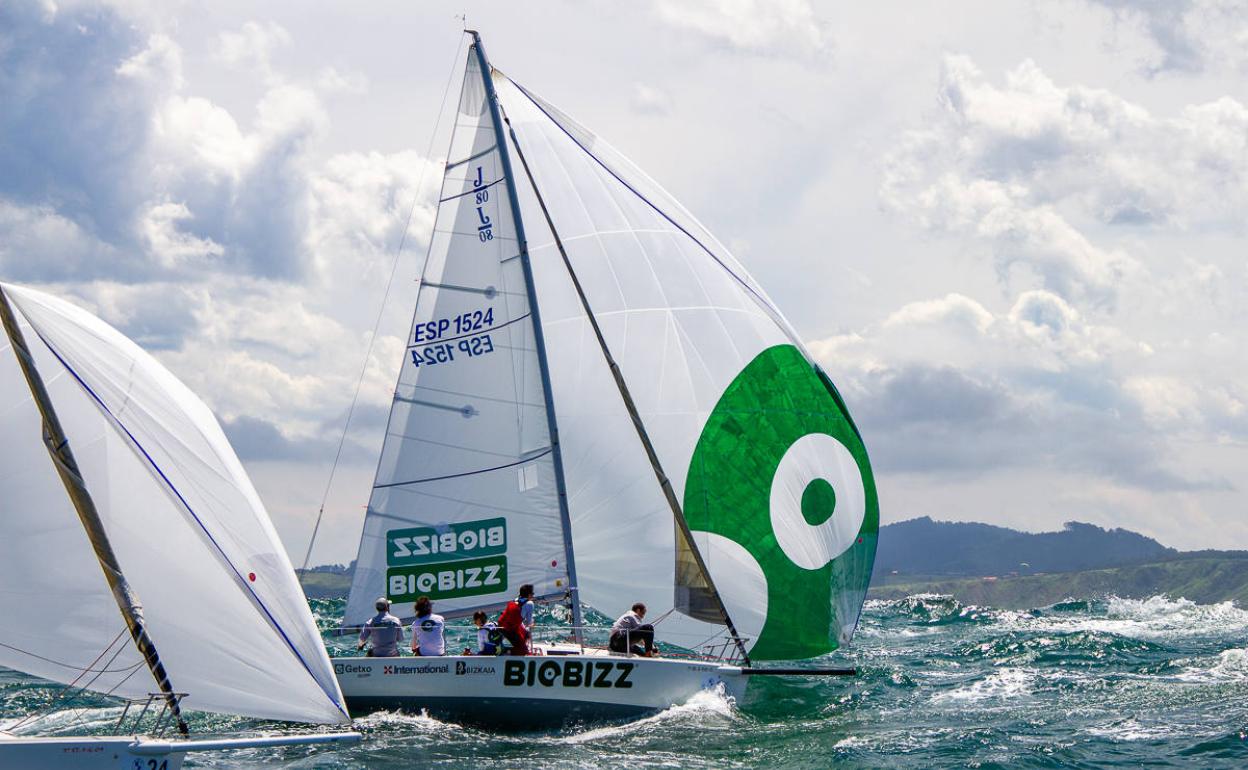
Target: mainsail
{"x": 768, "y": 470}
{"x": 466, "y": 507}
{"x": 183, "y": 519}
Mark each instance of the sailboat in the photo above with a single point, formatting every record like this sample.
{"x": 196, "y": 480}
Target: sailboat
{"x": 597, "y": 399}
{"x": 136, "y": 558}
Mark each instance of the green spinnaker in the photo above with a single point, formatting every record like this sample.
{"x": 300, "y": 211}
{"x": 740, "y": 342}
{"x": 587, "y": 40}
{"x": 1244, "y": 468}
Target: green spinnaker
{"x": 777, "y": 399}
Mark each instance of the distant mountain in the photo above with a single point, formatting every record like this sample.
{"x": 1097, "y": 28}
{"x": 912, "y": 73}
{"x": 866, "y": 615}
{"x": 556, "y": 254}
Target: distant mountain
{"x": 1205, "y": 578}
{"x": 945, "y": 548}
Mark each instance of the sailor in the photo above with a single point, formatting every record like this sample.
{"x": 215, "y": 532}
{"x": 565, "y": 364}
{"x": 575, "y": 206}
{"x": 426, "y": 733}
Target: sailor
{"x": 385, "y": 631}
{"x": 516, "y": 622}
{"x": 428, "y": 637}
{"x": 628, "y": 630}
{"x": 489, "y": 637}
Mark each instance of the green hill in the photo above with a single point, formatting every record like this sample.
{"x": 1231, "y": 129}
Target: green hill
{"x": 1202, "y": 577}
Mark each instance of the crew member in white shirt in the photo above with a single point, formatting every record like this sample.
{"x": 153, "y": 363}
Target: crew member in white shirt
{"x": 428, "y": 630}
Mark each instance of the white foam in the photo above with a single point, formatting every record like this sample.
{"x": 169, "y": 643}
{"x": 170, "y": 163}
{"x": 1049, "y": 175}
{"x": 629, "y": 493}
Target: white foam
{"x": 1130, "y": 730}
{"x": 714, "y": 703}
{"x": 1231, "y": 666}
{"x": 1158, "y": 617}
{"x": 386, "y": 719}
{"x": 1005, "y": 684}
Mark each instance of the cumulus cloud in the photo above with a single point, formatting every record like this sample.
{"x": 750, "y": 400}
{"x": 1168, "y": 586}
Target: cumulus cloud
{"x": 251, "y": 48}
{"x": 241, "y": 253}
{"x": 947, "y": 386}
{"x": 775, "y": 26}
{"x": 1189, "y": 35}
{"x": 1044, "y": 178}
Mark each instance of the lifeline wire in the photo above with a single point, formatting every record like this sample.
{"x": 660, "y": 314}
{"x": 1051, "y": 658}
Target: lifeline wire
{"x": 372, "y": 340}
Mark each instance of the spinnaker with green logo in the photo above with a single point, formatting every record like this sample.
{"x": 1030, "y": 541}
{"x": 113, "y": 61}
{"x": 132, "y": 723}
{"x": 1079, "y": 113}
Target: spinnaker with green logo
{"x": 598, "y": 399}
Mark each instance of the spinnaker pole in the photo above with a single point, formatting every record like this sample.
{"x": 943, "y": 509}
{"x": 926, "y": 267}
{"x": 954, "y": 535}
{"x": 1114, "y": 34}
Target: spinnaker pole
{"x": 67, "y": 468}
{"x": 491, "y": 99}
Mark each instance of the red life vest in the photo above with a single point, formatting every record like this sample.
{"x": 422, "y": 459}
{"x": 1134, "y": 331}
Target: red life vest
{"x": 511, "y": 620}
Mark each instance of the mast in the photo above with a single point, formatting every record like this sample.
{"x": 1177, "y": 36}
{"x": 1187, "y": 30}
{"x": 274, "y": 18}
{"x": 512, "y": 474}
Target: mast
{"x": 682, "y": 525}
{"x": 491, "y": 98}
{"x": 67, "y": 468}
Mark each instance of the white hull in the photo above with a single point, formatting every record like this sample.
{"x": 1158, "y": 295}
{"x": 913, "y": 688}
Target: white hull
{"x": 129, "y": 752}
{"x": 529, "y": 692}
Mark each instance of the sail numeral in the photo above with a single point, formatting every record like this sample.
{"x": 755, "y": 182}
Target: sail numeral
{"x": 485, "y": 230}
{"x": 471, "y": 321}
{"x": 472, "y": 347}
{"x": 433, "y": 354}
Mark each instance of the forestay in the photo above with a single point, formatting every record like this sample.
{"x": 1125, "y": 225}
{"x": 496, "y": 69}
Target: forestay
{"x": 465, "y": 505}
{"x": 771, "y": 472}
{"x": 219, "y": 596}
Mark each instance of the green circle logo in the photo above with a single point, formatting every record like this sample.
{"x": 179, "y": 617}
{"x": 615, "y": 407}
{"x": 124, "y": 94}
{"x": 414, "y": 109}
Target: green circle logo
{"x": 781, "y": 471}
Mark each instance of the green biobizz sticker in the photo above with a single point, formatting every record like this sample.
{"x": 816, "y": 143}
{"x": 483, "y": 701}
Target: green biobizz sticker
{"x": 778, "y": 399}
{"x": 447, "y": 580}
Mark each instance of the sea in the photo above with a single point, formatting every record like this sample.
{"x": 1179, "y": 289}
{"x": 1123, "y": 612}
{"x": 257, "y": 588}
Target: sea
{"x": 1093, "y": 683}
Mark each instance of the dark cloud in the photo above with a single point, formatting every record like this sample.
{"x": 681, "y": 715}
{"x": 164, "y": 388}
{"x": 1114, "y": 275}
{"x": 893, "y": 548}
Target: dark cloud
{"x": 257, "y": 439}
{"x": 71, "y": 129}
{"x": 1165, "y": 23}
{"x": 940, "y": 420}
{"x": 82, "y": 169}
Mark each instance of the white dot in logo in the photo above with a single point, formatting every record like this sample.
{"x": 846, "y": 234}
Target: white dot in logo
{"x": 816, "y": 456}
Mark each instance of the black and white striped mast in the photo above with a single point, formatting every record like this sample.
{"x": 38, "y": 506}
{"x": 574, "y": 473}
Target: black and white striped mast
{"x": 57, "y": 442}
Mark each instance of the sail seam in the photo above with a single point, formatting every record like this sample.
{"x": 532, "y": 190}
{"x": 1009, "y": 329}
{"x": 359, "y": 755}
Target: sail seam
{"x": 745, "y": 284}
{"x": 151, "y": 461}
{"x": 530, "y": 459}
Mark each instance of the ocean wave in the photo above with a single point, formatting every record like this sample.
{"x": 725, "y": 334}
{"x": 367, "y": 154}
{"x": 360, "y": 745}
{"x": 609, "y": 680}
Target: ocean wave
{"x": 1156, "y": 618}
{"x": 1231, "y": 666}
{"x": 1063, "y": 648}
{"x": 933, "y": 610}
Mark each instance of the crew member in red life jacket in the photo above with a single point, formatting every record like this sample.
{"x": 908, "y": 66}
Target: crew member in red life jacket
{"x": 516, "y": 622}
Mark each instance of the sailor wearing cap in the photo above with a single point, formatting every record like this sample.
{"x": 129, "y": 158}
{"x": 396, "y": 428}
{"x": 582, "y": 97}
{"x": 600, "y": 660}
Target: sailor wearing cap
{"x": 385, "y": 631}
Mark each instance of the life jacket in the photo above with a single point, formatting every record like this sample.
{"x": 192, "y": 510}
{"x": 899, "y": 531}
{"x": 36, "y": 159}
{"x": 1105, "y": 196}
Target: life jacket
{"x": 511, "y": 619}
{"x": 489, "y": 639}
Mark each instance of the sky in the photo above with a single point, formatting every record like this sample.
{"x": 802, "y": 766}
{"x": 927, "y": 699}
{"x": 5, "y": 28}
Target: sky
{"x": 1012, "y": 232}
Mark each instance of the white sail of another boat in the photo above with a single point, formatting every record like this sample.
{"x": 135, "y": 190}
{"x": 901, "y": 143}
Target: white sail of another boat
{"x": 509, "y": 419}
{"x": 219, "y": 597}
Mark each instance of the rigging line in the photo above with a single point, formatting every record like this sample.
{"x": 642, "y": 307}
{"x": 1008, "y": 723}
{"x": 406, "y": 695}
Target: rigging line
{"x": 83, "y": 671}
{"x": 664, "y": 483}
{"x": 745, "y": 284}
{"x": 372, "y": 340}
{"x": 461, "y": 475}
{"x": 72, "y": 686}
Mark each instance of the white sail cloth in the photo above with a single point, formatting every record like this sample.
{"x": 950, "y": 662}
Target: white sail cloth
{"x": 219, "y": 596}
{"x": 685, "y": 323}
{"x": 465, "y": 505}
